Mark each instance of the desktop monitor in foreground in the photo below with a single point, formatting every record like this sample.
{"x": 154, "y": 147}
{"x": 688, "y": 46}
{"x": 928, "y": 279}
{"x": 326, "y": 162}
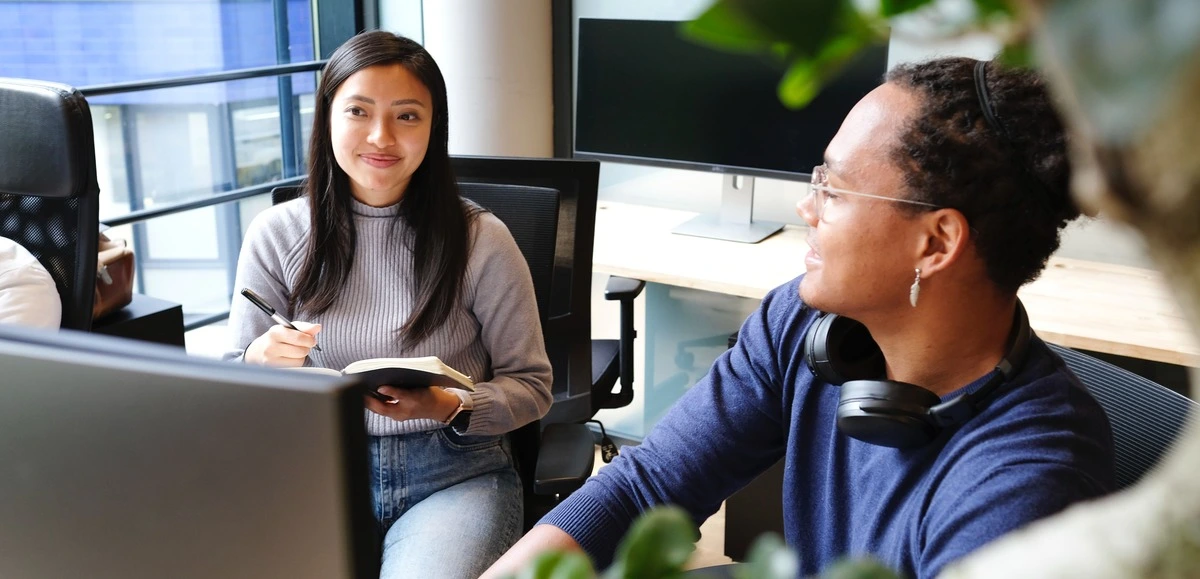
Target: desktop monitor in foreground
{"x": 130, "y": 460}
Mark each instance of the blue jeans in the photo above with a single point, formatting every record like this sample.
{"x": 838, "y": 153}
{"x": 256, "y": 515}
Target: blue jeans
{"x": 448, "y": 506}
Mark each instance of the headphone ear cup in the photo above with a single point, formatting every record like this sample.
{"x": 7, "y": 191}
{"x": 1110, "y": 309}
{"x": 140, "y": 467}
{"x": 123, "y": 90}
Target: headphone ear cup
{"x": 887, "y": 413}
{"x": 840, "y": 349}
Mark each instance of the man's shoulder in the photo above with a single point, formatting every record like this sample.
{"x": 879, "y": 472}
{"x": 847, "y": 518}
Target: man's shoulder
{"x": 1045, "y": 417}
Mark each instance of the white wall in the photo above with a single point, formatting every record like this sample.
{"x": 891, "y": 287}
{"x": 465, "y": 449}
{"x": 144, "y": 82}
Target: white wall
{"x": 496, "y": 57}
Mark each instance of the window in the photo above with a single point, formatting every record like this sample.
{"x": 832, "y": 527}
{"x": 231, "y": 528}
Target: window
{"x": 159, "y": 147}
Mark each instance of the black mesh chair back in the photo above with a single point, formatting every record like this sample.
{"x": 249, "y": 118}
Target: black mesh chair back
{"x": 531, "y": 215}
{"x": 1146, "y": 417}
{"x": 49, "y": 196}
{"x": 570, "y": 315}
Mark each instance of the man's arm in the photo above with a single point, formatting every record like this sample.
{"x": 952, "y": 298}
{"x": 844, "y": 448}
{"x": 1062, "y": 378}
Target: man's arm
{"x": 539, "y": 539}
{"x": 723, "y": 431}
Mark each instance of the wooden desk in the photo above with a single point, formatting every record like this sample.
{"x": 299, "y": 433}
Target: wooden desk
{"x": 1106, "y": 308}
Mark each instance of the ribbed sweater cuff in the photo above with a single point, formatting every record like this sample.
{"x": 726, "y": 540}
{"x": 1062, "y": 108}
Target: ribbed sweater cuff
{"x": 592, "y": 525}
{"x": 482, "y": 416}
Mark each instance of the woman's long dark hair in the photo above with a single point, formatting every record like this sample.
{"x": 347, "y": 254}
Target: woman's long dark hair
{"x": 437, "y": 221}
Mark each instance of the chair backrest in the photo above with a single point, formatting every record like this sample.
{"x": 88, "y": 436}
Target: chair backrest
{"x": 49, "y": 195}
{"x": 568, "y": 327}
{"x": 531, "y": 215}
{"x": 1146, "y": 417}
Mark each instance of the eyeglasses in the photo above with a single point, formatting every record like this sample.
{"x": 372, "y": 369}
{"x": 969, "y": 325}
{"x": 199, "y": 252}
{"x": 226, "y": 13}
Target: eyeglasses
{"x": 820, "y": 191}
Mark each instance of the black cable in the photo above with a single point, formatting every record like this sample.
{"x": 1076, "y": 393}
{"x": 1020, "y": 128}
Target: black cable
{"x": 608, "y": 448}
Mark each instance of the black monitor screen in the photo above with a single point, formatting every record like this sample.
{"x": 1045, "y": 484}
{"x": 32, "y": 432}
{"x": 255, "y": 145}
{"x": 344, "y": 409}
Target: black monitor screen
{"x": 647, "y": 95}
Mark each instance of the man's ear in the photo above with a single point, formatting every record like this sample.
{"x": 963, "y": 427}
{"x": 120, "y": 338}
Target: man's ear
{"x": 945, "y": 237}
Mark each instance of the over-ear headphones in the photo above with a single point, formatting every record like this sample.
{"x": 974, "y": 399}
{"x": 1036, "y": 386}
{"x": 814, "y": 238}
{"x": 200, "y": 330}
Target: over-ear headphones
{"x": 841, "y": 351}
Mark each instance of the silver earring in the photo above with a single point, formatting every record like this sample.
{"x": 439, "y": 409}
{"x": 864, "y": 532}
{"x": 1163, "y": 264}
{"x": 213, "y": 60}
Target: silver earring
{"x": 915, "y": 291}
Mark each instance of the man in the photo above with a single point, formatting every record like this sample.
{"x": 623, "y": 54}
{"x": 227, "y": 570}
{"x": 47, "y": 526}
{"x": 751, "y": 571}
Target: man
{"x": 943, "y": 192}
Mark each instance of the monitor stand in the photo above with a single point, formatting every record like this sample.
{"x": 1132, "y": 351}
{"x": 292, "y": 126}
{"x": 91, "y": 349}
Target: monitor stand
{"x": 735, "y": 221}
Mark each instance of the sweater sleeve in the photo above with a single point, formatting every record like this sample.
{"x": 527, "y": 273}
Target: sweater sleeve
{"x": 505, "y": 306}
{"x": 715, "y": 439}
{"x": 267, "y": 246}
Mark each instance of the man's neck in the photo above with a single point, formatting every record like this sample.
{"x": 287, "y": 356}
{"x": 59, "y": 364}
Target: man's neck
{"x": 947, "y": 342}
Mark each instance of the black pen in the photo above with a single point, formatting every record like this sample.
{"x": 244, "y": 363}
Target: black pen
{"x": 270, "y": 311}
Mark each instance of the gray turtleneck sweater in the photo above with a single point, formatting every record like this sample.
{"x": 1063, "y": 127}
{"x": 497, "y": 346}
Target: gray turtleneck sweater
{"x": 494, "y": 335}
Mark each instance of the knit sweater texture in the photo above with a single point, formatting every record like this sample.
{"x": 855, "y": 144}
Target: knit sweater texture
{"x": 1041, "y": 444}
{"x": 494, "y": 335}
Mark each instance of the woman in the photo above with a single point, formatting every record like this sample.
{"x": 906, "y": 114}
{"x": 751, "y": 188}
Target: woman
{"x": 386, "y": 260}
{"x": 937, "y": 422}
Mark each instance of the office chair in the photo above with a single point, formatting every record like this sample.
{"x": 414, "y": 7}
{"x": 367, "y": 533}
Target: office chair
{"x": 49, "y": 196}
{"x": 1146, "y": 417}
{"x": 611, "y": 360}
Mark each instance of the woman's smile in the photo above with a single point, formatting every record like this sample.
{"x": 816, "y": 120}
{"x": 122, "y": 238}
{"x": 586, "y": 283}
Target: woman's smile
{"x": 379, "y": 160}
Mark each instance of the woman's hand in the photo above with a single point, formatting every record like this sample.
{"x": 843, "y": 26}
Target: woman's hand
{"x": 283, "y": 347}
{"x": 410, "y": 403}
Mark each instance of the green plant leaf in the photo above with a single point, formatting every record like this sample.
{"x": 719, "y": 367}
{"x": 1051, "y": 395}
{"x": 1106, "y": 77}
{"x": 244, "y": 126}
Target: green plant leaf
{"x": 858, "y": 568}
{"x": 805, "y": 77}
{"x": 1017, "y": 54}
{"x": 891, "y": 8}
{"x": 989, "y": 8}
{"x": 804, "y": 25}
{"x": 769, "y": 558}
{"x": 559, "y": 565}
{"x": 723, "y": 27}
{"x": 657, "y": 545}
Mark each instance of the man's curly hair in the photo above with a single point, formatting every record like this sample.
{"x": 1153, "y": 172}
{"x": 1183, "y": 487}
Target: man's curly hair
{"x": 1012, "y": 184}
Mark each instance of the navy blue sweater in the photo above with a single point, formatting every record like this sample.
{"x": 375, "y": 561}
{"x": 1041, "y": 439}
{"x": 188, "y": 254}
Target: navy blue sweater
{"x": 1041, "y": 443}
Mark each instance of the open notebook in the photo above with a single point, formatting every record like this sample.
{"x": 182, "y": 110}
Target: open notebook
{"x": 400, "y": 373}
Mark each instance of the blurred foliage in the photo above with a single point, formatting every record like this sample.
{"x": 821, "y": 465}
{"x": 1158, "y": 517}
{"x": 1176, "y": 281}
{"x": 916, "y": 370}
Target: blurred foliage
{"x": 657, "y": 546}
{"x": 660, "y": 542}
{"x": 1121, "y": 57}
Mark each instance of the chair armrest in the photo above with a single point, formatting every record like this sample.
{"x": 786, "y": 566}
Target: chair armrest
{"x": 625, "y": 290}
{"x": 622, "y": 288}
{"x": 565, "y": 459}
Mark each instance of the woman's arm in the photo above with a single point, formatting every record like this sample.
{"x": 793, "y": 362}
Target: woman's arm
{"x": 511, "y": 331}
{"x": 273, "y": 238}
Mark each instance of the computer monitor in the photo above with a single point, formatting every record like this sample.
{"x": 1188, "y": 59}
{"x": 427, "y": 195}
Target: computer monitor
{"x": 647, "y": 95}
{"x": 125, "y": 459}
